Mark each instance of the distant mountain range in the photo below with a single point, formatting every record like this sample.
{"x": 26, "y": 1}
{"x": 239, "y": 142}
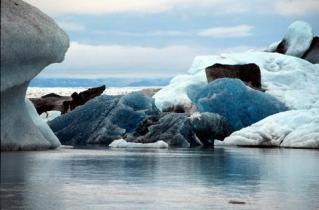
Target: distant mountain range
{"x": 109, "y": 82}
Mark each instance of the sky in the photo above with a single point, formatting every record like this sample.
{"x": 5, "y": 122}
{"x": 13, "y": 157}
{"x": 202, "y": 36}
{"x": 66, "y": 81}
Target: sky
{"x": 160, "y": 38}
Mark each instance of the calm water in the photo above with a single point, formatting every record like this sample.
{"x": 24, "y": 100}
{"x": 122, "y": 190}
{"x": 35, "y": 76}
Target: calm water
{"x": 161, "y": 179}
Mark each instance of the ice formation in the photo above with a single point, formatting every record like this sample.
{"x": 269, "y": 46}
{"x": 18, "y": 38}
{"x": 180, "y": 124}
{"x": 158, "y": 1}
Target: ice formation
{"x": 173, "y": 128}
{"x": 288, "y": 78}
{"x": 209, "y": 127}
{"x": 295, "y": 128}
{"x": 238, "y": 103}
{"x": 182, "y": 129}
{"x": 103, "y": 119}
{"x": 298, "y": 38}
{"x": 292, "y": 80}
{"x": 30, "y": 41}
{"x": 175, "y": 93}
{"x": 121, "y": 143}
{"x": 50, "y": 115}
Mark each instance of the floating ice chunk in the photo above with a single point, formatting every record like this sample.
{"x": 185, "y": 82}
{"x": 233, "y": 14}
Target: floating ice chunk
{"x": 295, "y": 128}
{"x": 30, "y": 40}
{"x": 121, "y": 143}
{"x": 103, "y": 119}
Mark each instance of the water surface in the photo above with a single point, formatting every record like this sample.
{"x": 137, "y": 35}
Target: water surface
{"x": 161, "y": 179}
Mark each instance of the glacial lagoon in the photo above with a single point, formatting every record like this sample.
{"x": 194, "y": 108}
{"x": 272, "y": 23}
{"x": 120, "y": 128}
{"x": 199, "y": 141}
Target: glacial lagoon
{"x": 103, "y": 178}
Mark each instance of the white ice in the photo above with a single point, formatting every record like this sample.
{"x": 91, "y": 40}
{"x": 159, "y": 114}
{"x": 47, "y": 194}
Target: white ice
{"x": 27, "y": 52}
{"x": 298, "y": 37}
{"x": 50, "y": 115}
{"x": 121, "y": 143}
{"x": 43, "y": 127}
{"x": 175, "y": 92}
{"x": 295, "y": 128}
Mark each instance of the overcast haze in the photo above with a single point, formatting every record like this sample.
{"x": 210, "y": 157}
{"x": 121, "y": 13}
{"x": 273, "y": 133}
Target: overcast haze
{"x": 148, "y": 38}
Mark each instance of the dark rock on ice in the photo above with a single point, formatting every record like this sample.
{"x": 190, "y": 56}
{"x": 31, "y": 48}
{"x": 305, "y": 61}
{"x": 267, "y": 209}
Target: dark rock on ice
{"x": 181, "y": 108}
{"x": 81, "y": 98}
{"x": 65, "y": 104}
{"x": 282, "y": 47}
{"x": 312, "y": 54}
{"x": 248, "y": 73}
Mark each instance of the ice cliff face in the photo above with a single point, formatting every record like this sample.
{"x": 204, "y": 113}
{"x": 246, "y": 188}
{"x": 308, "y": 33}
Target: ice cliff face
{"x": 30, "y": 40}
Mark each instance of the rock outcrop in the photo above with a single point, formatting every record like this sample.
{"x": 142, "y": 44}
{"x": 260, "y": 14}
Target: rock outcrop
{"x": 248, "y": 73}
{"x": 30, "y": 40}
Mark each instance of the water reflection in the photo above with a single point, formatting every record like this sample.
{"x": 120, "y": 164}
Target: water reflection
{"x": 157, "y": 179}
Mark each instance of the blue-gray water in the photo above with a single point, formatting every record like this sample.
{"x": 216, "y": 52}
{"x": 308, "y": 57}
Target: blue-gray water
{"x": 161, "y": 179}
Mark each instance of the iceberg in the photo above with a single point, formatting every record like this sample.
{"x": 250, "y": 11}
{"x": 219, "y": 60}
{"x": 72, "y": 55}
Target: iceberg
{"x": 30, "y": 40}
{"x": 295, "y": 128}
{"x": 238, "y": 103}
{"x": 121, "y": 143}
{"x": 103, "y": 119}
{"x": 173, "y": 128}
{"x": 182, "y": 129}
{"x": 209, "y": 127}
{"x": 291, "y": 80}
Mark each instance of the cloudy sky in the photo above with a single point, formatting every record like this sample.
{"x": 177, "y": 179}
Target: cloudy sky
{"x": 147, "y": 38}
